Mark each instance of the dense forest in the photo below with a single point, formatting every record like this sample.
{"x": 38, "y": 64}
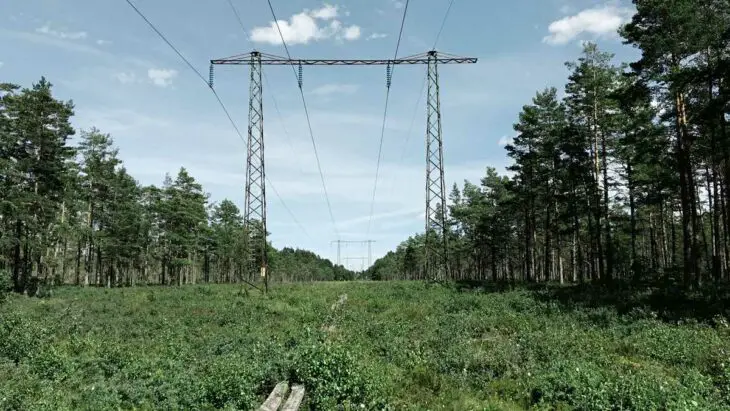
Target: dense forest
{"x": 73, "y": 214}
{"x": 626, "y": 177}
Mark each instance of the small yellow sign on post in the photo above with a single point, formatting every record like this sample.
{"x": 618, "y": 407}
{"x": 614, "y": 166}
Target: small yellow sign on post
{"x": 263, "y": 271}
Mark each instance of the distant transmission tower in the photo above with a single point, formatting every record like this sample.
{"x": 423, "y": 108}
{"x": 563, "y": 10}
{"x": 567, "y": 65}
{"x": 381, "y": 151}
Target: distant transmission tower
{"x": 345, "y": 242}
{"x": 361, "y": 259}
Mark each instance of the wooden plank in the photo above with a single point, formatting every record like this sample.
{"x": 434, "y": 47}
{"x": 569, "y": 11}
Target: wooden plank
{"x": 295, "y": 398}
{"x": 275, "y": 398}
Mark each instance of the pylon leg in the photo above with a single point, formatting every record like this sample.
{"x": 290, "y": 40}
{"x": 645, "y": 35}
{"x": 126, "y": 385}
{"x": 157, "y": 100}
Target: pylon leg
{"x": 436, "y": 230}
{"x": 255, "y": 212}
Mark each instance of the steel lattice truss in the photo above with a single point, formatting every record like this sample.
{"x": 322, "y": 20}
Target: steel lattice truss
{"x": 255, "y": 214}
{"x": 272, "y": 60}
{"x": 436, "y": 247}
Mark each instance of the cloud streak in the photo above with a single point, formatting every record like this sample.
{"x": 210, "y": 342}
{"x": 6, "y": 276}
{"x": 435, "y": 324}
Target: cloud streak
{"x": 334, "y": 88}
{"x": 73, "y": 46}
{"x": 376, "y": 36}
{"x": 63, "y": 35}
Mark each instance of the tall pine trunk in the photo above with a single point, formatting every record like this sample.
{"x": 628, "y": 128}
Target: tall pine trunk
{"x": 18, "y": 283}
{"x": 690, "y": 226}
{"x": 632, "y": 221}
{"x": 607, "y": 221}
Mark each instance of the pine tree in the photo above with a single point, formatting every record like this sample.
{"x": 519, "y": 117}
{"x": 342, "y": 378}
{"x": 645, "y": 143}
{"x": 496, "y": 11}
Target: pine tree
{"x": 536, "y": 155}
{"x": 37, "y": 128}
{"x": 228, "y": 239}
{"x": 183, "y": 215}
{"x": 99, "y": 162}
{"x": 592, "y": 111}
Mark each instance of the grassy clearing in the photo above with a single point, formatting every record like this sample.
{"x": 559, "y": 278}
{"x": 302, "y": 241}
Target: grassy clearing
{"x": 397, "y": 345}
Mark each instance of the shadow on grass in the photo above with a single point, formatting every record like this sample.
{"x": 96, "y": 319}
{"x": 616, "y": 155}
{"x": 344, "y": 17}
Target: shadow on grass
{"x": 667, "y": 301}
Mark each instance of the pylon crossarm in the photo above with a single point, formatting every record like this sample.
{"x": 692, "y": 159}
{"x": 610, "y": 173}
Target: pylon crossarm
{"x": 272, "y": 60}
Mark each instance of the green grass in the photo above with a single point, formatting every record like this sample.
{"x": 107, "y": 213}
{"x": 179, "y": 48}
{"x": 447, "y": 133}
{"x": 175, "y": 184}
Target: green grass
{"x": 398, "y": 345}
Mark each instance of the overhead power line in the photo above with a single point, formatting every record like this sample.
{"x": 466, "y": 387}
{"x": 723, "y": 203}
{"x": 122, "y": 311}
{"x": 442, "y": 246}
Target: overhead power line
{"x": 238, "y": 17}
{"x": 423, "y": 89}
{"x": 385, "y": 115}
{"x": 443, "y": 23}
{"x": 309, "y": 123}
{"x": 413, "y": 119}
{"x": 268, "y": 85}
{"x": 220, "y": 102}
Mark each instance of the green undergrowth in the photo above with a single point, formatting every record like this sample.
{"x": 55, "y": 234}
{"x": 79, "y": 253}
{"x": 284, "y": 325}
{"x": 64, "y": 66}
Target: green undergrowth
{"x": 393, "y": 345}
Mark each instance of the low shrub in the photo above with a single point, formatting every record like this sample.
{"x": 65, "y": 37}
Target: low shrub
{"x": 333, "y": 377}
{"x": 6, "y": 285}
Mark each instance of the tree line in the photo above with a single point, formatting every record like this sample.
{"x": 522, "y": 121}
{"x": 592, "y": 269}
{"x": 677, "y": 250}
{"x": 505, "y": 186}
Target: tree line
{"x": 73, "y": 214}
{"x": 625, "y": 177}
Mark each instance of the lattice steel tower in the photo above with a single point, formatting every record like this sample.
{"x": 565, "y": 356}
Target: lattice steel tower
{"x": 255, "y": 212}
{"x": 436, "y": 241}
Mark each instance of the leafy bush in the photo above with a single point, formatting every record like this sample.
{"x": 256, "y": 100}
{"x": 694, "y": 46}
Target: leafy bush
{"x": 333, "y": 377}
{"x": 19, "y": 338}
{"x": 720, "y": 372}
{"x": 6, "y": 285}
{"x": 50, "y": 363}
{"x": 227, "y": 382}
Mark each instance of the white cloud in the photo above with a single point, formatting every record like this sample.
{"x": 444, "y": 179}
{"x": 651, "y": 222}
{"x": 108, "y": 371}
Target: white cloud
{"x": 126, "y": 78}
{"x": 352, "y": 33}
{"x": 1, "y": 64}
{"x": 64, "y": 35}
{"x": 599, "y": 21}
{"x": 103, "y": 42}
{"x": 304, "y": 27}
{"x": 504, "y": 140}
{"x": 335, "y": 26}
{"x": 325, "y": 13}
{"x": 376, "y": 36}
{"x": 397, "y": 4}
{"x": 162, "y": 77}
{"x": 334, "y": 88}
{"x": 302, "y": 30}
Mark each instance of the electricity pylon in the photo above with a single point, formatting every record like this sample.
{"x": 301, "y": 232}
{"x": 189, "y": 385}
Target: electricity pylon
{"x": 368, "y": 242}
{"x": 436, "y": 251}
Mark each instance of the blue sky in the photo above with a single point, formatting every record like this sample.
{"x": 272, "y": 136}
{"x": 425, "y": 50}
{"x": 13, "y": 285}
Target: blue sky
{"x": 125, "y": 81}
